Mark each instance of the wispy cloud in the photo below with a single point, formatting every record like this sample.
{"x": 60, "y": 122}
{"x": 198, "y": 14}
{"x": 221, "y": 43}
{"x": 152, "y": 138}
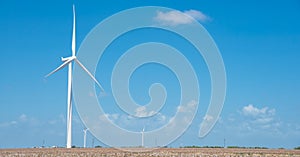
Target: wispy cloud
{"x": 250, "y": 110}
{"x": 22, "y": 120}
{"x": 259, "y": 115}
{"x": 173, "y": 18}
{"x": 142, "y": 112}
{"x": 208, "y": 118}
{"x": 198, "y": 15}
{"x": 256, "y": 121}
{"x": 188, "y": 108}
{"x": 23, "y": 117}
{"x": 8, "y": 124}
{"x": 152, "y": 120}
{"x": 133, "y": 122}
{"x": 253, "y": 119}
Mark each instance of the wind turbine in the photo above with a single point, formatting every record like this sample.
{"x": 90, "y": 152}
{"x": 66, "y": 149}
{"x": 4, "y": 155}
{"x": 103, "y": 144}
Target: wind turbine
{"x": 143, "y": 137}
{"x": 68, "y": 61}
{"x": 84, "y": 137}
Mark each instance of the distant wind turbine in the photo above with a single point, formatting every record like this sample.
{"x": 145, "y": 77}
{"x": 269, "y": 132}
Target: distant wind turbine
{"x": 143, "y": 136}
{"x": 84, "y": 137}
{"x": 68, "y": 61}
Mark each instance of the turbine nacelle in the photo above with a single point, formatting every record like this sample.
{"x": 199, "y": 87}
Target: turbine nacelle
{"x": 67, "y": 61}
{"x": 68, "y": 58}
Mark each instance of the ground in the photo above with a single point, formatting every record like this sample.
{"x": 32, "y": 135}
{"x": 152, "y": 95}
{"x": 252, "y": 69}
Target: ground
{"x": 140, "y": 152}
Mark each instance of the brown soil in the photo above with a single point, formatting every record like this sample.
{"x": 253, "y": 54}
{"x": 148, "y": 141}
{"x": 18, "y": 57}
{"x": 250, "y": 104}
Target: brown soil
{"x": 140, "y": 152}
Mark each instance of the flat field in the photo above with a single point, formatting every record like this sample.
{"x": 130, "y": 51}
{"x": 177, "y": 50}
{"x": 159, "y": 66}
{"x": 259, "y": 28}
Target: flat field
{"x": 141, "y": 152}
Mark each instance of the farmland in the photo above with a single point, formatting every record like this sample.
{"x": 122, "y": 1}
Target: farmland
{"x": 140, "y": 152}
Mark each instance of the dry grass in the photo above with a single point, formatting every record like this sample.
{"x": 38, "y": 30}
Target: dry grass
{"x": 139, "y": 152}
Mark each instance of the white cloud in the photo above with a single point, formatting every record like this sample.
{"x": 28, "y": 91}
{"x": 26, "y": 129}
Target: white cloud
{"x": 8, "y": 124}
{"x": 141, "y": 112}
{"x": 252, "y": 111}
{"x": 134, "y": 123}
{"x": 23, "y": 118}
{"x": 173, "y": 18}
{"x": 259, "y": 118}
{"x": 264, "y": 120}
{"x": 198, "y": 15}
{"x": 208, "y": 118}
{"x": 184, "y": 115}
{"x": 156, "y": 120}
{"x": 188, "y": 107}
{"x": 103, "y": 117}
{"x": 160, "y": 118}
{"x": 114, "y": 116}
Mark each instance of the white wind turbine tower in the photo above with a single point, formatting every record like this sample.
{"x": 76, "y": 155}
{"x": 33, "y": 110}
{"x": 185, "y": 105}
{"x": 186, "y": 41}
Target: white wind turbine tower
{"x": 143, "y": 137}
{"x": 84, "y": 137}
{"x": 68, "y": 61}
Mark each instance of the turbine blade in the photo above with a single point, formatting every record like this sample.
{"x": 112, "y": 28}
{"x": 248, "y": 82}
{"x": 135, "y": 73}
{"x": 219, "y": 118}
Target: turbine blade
{"x": 73, "y": 34}
{"x": 60, "y": 67}
{"x": 85, "y": 69}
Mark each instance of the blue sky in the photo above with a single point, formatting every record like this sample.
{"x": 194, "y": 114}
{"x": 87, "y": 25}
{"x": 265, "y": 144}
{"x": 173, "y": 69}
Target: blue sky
{"x": 259, "y": 43}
